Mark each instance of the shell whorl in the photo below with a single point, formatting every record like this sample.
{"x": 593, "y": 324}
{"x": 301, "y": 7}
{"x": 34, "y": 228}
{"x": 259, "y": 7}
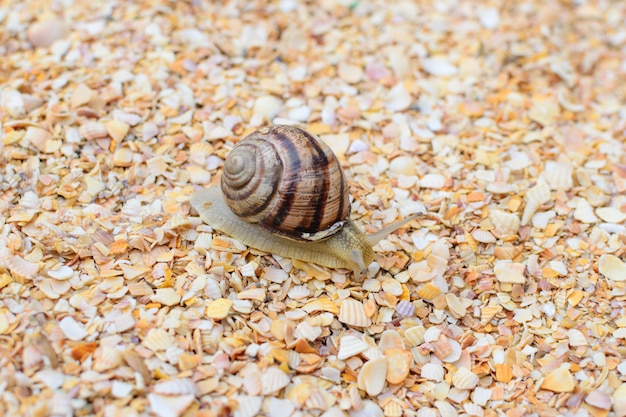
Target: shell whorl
{"x": 287, "y": 181}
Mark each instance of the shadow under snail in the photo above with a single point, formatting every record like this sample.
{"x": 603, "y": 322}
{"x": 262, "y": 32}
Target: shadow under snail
{"x": 283, "y": 191}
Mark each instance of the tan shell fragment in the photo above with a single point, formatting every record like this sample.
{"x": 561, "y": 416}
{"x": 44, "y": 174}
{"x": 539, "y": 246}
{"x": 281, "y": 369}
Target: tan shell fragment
{"x": 559, "y": 380}
{"x": 116, "y": 129}
{"x": 415, "y": 335}
{"x": 509, "y": 272}
{"x": 42, "y": 139}
{"x": 370, "y": 377}
{"x": 534, "y": 198}
{"x": 463, "y": 378}
{"x": 219, "y": 308}
{"x": 619, "y": 400}
{"x": 166, "y": 296}
{"x": 81, "y": 95}
{"x": 457, "y": 309}
{"x": 352, "y": 313}
{"x": 273, "y": 380}
{"x": 321, "y": 304}
{"x": 441, "y": 347}
{"x": 505, "y": 224}
{"x": 392, "y": 409}
{"x": 398, "y": 365}
{"x": 21, "y": 268}
{"x": 483, "y": 236}
{"x": 429, "y": 291}
{"x": 93, "y": 130}
{"x": 612, "y": 267}
{"x": 392, "y": 286}
{"x": 158, "y": 339}
{"x": 106, "y": 357}
{"x": 576, "y": 338}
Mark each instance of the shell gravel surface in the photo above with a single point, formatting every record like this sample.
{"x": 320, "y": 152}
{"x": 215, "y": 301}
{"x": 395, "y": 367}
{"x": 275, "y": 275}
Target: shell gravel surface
{"x": 504, "y": 121}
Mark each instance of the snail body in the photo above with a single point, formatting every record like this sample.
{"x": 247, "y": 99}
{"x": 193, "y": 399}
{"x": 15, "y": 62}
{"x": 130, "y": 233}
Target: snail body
{"x": 283, "y": 192}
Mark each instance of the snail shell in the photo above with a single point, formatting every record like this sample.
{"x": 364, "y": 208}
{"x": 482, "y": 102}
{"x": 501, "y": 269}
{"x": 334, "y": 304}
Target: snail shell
{"x": 265, "y": 223}
{"x": 288, "y": 182}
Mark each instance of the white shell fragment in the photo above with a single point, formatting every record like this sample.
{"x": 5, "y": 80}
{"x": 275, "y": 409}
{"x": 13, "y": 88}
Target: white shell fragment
{"x": 534, "y": 198}
{"x": 612, "y": 267}
{"x": 510, "y": 272}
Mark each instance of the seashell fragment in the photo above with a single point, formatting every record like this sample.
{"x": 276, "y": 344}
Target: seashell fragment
{"x": 169, "y": 405}
{"x": 392, "y": 409}
{"x": 370, "y": 377}
{"x": 45, "y": 32}
{"x": 352, "y": 313}
{"x": 403, "y": 164}
{"x": 584, "y": 212}
{"x": 136, "y": 362}
{"x": 509, "y": 272}
{"x": 219, "y": 308}
{"x": 612, "y": 267}
{"x": 534, "y": 198}
{"x": 106, "y": 357}
{"x": 116, "y": 129}
{"x": 398, "y": 365}
{"x": 158, "y": 339}
{"x": 505, "y": 223}
{"x": 483, "y": 236}
{"x": 576, "y": 338}
{"x": 21, "y": 268}
{"x": 558, "y": 175}
{"x": 432, "y": 372}
{"x": 457, "y": 309}
{"x": 559, "y": 380}
{"x": 273, "y": 380}
{"x": 61, "y": 274}
{"x": 446, "y": 409}
{"x": 611, "y": 214}
{"x": 72, "y": 329}
{"x": 176, "y": 386}
{"x": 93, "y": 130}
{"x": 599, "y": 399}
{"x": 247, "y": 405}
{"x": 166, "y": 296}
{"x": 40, "y": 139}
{"x": 149, "y": 130}
{"x": 405, "y": 308}
{"x": 463, "y": 378}
{"x": 14, "y": 104}
{"x": 351, "y": 74}
{"x": 350, "y": 345}
{"x": 619, "y": 400}
{"x": 130, "y": 119}
{"x": 429, "y": 291}
{"x": 433, "y": 181}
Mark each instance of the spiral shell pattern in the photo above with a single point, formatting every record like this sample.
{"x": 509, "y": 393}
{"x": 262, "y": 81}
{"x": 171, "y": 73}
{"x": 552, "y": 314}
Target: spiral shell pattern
{"x": 287, "y": 181}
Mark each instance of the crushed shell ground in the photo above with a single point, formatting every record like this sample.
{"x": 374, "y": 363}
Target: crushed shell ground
{"x": 504, "y": 122}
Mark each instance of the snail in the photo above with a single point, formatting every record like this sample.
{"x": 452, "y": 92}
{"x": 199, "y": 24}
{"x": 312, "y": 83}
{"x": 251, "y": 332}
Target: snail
{"x": 283, "y": 191}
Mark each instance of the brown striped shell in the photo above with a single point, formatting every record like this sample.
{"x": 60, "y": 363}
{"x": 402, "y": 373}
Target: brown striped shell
{"x": 287, "y": 181}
